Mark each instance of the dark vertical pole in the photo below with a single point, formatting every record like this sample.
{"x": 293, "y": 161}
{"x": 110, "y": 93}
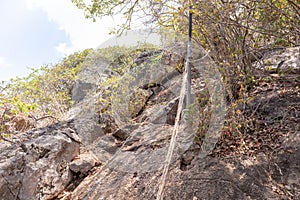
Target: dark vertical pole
{"x": 189, "y": 54}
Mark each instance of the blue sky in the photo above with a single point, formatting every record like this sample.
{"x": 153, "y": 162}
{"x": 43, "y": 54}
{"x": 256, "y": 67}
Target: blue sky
{"x": 38, "y": 32}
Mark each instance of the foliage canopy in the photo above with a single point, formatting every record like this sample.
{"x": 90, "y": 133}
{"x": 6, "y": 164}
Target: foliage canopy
{"x": 236, "y": 32}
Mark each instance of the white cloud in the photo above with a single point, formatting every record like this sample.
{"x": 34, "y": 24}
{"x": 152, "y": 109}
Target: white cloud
{"x": 61, "y": 47}
{"x": 3, "y": 63}
{"x": 82, "y": 32}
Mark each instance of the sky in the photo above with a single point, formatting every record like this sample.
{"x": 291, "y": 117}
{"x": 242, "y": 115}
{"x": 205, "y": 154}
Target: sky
{"x": 39, "y": 32}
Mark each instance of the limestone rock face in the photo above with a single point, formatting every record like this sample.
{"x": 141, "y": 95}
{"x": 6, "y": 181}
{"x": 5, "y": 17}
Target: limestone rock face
{"x": 208, "y": 178}
{"x": 280, "y": 60}
{"x": 35, "y": 166}
{"x": 134, "y": 171}
{"x": 93, "y": 158}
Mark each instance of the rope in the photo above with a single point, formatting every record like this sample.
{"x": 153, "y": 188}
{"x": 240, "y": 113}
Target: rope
{"x": 185, "y": 91}
{"x": 174, "y": 135}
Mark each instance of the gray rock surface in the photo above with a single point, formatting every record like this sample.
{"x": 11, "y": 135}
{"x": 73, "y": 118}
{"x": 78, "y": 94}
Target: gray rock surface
{"x": 208, "y": 178}
{"x": 280, "y": 60}
{"x": 104, "y": 161}
{"x": 36, "y": 165}
{"x": 83, "y": 164}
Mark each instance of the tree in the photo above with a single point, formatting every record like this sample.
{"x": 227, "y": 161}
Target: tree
{"x": 40, "y": 98}
{"x": 148, "y": 11}
{"x": 235, "y": 32}
{"x": 46, "y": 94}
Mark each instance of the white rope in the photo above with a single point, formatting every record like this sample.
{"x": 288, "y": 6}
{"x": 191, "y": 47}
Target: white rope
{"x": 174, "y": 135}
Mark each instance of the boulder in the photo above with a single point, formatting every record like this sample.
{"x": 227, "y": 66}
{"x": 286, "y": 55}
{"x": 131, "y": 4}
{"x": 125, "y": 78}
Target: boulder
{"x": 36, "y": 164}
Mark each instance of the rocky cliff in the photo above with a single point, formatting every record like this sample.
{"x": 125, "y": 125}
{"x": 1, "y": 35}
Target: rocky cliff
{"x": 65, "y": 161}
